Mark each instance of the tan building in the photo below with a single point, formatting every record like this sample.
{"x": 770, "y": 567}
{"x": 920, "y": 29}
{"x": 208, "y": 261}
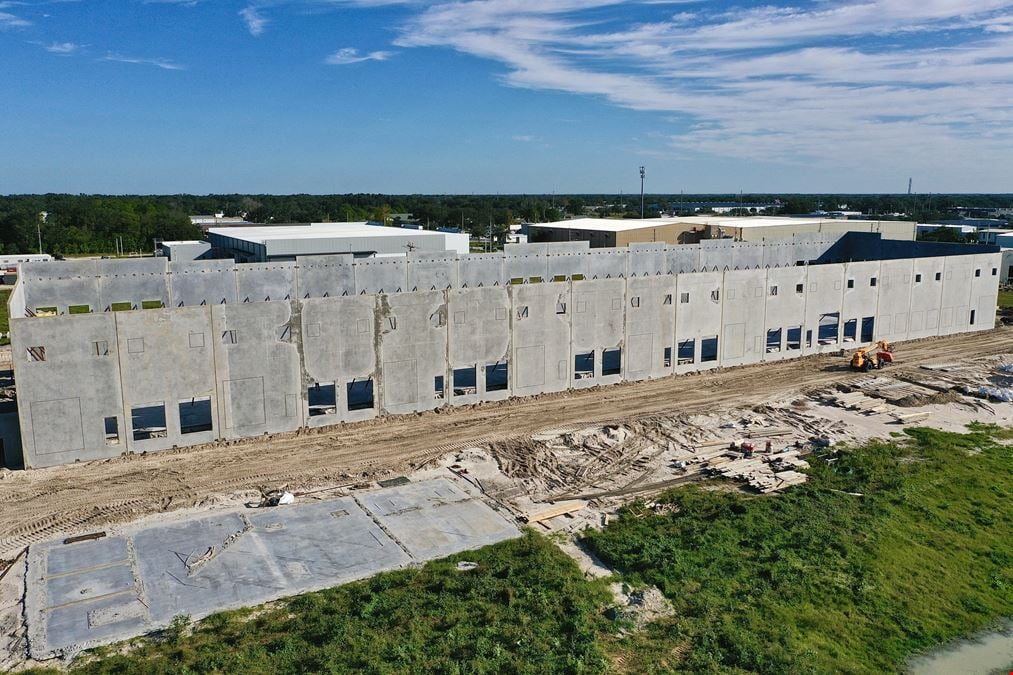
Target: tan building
{"x": 603, "y": 233}
{"x": 607, "y": 233}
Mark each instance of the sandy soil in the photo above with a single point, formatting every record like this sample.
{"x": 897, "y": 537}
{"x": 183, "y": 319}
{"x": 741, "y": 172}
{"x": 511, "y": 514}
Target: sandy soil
{"x": 45, "y": 503}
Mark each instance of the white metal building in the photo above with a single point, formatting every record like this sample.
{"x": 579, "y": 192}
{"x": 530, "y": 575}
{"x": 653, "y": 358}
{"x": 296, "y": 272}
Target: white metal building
{"x": 184, "y": 250}
{"x": 286, "y": 242}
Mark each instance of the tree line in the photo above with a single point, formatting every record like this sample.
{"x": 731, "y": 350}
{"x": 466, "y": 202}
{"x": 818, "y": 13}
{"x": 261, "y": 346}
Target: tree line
{"x": 97, "y": 224}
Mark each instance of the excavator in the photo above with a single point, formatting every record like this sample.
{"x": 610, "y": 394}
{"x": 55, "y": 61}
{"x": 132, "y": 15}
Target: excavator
{"x": 873, "y": 356}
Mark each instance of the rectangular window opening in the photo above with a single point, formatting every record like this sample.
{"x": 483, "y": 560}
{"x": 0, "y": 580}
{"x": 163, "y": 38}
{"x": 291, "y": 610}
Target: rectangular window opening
{"x": 152, "y": 304}
{"x": 773, "y": 340}
{"x": 939, "y": 276}
{"x": 851, "y": 283}
{"x": 611, "y": 361}
{"x": 121, "y": 306}
{"x": 558, "y": 277}
{"x": 576, "y": 277}
{"x": 112, "y": 430}
{"x": 977, "y": 272}
{"x": 918, "y": 278}
{"x": 667, "y": 356}
{"x": 972, "y": 317}
{"x": 100, "y": 347}
{"x": 560, "y": 307}
{"x": 995, "y": 271}
{"x": 668, "y": 299}
{"x": 148, "y": 421}
{"x": 79, "y": 309}
{"x": 438, "y": 390}
{"x": 496, "y": 375}
{"x": 465, "y": 381}
{"x": 794, "y": 339}
{"x": 360, "y": 394}
{"x": 868, "y": 326}
{"x": 46, "y": 311}
{"x": 799, "y": 288}
{"x": 687, "y": 352}
{"x": 683, "y": 298}
{"x": 37, "y": 353}
{"x": 873, "y": 281}
{"x": 195, "y": 415}
{"x": 583, "y": 365}
{"x": 830, "y": 325}
{"x": 230, "y": 337}
{"x": 851, "y": 330}
{"x": 709, "y": 349}
{"x": 808, "y": 338}
{"x": 716, "y": 295}
{"x": 773, "y": 290}
{"x": 323, "y": 398}
{"x": 635, "y": 301}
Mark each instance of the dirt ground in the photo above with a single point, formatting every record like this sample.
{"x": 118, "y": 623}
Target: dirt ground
{"x": 45, "y": 503}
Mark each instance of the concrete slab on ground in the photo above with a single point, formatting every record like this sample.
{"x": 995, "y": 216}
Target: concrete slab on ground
{"x": 83, "y": 594}
{"x": 435, "y": 518}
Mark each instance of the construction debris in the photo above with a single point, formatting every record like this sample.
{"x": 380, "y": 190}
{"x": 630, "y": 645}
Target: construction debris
{"x": 272, "y": 498}
{"x": 557, "y": 509}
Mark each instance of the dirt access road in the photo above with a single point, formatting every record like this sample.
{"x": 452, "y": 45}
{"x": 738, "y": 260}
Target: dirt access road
{"x": 44, "y": 503}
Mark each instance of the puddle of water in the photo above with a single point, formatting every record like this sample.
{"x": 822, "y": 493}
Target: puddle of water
{"x": 986, "y": 654}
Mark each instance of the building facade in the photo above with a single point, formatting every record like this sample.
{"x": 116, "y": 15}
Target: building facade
{"x": 240, "y": 350}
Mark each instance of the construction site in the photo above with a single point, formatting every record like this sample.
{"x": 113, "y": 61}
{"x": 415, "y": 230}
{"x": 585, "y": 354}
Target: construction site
{"x": 591, "y": 384}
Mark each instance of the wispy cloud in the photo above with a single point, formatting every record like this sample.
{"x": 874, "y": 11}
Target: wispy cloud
{"x": 65, "y": 48}
{"x": 349, "y": 55}
{"x": 846, "y": 82}
{"x": 254, "y": 20}
{"x": 164, "y": 64}
{"x": 8, "y": 20}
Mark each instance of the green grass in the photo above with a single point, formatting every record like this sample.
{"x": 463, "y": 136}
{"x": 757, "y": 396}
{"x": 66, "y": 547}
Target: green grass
{"x": 814, "y": 580}
{"x": 121, "y": 306}
{"x": 817, "y": 580}
{"x": 151, "y": 304}
{"x": 1006, "y": 298}
{"x": 525, "y": 609}
{"x": 5, "y": 294}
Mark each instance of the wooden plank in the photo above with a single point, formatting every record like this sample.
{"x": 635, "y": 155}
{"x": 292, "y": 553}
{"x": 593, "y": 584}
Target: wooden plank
{"x": 558, "y": 509}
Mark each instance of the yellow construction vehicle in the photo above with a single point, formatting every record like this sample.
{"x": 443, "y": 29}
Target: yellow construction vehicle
{"x": 873, "y": 356}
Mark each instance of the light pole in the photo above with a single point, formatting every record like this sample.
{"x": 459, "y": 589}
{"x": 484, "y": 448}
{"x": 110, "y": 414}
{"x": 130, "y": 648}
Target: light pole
{"x": 643, "y": 172}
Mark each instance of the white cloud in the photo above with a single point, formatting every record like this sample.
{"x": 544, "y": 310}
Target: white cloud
{"x": 8, "y": 20}
{"x": 350, "y": 55}
{"x": 851, "y": 82}
{"x": 62, "y": 48}
{"x": 256, "y": 22}
{"x": 164, "y": 64}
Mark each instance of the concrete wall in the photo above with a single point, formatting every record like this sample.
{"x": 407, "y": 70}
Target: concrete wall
{"x": 267, "y": 366}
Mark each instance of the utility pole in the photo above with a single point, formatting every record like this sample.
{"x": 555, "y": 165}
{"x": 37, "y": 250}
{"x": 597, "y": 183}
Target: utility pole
{"x": 643, "y": 173}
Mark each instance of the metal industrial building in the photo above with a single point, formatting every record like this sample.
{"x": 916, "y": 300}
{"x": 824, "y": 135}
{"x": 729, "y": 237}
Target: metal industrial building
{"x": 183, "y": 250}
{"x": 605, "y": 233}
{"x": 286, "y": 242}
{"x": 240, "y": 350}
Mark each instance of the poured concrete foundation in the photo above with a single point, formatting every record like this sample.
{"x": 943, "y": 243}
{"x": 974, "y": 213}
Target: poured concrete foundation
{"x": 94, "y": 592}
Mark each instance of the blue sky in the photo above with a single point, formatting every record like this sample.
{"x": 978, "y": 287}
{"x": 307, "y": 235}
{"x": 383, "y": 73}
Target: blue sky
{"x": 485, "y": 96}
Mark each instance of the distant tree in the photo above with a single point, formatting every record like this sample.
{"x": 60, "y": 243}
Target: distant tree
{"x": 946, "y": 234}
